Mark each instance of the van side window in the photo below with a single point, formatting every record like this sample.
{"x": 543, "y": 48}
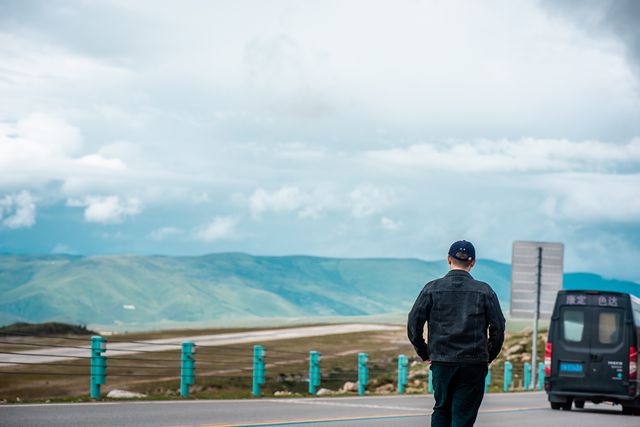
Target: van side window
{"x": 608, "y": 327}
{"x": 573, "y": 324}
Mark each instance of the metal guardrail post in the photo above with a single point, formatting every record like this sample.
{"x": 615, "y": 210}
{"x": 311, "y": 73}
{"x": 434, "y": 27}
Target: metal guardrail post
{"x": 314, "y": 372}
{"x": 363, "y": 373}
{"x": 430, "y": 386}
{"x": 403, "y": 363}
{"x": 527, "y": 375}
{"x": 540, "y": 375}
{"x": 487, "y": 380}
{"x": 258, "y": 369}
{"x": 98, "y": 365}
{"x": 508, "y": 372}
{"x": 187, "y": 367}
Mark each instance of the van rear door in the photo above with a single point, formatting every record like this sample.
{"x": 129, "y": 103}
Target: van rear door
{"x": 609, "y": 357}
{"x": 571, "y": 348}
{"x": 590, "y": 347}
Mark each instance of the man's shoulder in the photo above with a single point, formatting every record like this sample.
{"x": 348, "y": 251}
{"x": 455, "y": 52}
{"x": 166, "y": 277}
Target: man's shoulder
{"x": 475, "y": 285}
{"x": 483, "y": 286}
{"x": 434, "y": 283}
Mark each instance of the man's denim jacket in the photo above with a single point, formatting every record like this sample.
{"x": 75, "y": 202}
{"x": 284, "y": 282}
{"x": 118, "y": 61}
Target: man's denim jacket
{"x": 459, "y": 311}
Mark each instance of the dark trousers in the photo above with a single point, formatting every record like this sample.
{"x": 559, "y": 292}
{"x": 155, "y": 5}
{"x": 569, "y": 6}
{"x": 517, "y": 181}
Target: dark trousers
{"x": 458, "y": 390}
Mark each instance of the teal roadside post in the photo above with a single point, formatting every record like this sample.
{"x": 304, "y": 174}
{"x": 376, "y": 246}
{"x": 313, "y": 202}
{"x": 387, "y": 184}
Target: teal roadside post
{"x": 187, "y": 367}
{"x": 363, "y": 372}
{"x": 508, "y": 369}
{"x": 430, "y": 374}
{"x": 487, "y": 380}
{"x": 527, "y": 375}
{"x": 314, "y": 372}
{"x": 98, "y": 365}
{"x": 258, "y": 369}
{"x": 540, "y": 375}
{"x": 403, "y": 363}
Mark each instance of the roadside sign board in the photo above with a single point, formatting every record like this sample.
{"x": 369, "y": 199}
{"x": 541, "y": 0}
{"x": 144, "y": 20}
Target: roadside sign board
{"x": 536, "y": 277}
{"x": 535, "y": 264}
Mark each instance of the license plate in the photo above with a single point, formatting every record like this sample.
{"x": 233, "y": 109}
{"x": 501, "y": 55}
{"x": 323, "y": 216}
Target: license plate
{"x": 571, "y": 368}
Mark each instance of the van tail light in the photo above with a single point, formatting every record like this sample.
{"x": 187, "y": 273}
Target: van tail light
{"x": 548, "y": 350}
{"x": 633, "y": 363}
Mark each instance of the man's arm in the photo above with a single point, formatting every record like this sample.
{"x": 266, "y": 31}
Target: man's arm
{"x": 495, "y": 321}
{"x": 418, "y": 315}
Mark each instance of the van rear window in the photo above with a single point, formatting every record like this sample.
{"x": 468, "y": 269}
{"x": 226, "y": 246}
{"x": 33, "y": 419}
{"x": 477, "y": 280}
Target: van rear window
{"x": 572, "y": 324}
{"x": 609, "y": 327}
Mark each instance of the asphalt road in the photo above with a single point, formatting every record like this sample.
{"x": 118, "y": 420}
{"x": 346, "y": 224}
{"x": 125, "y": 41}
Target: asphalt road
{"x": 166, "y": 344}
{"x": 521, "y": 409}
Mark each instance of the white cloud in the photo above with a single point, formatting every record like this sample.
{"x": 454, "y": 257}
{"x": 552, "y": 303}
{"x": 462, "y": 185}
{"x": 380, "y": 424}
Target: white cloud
{"x": 286, "y": 199}
{"x": 41, "y": 148}
{"x": 389, "y": 224}
{"x": 221, "y": 227}
{"x": 201, "y": 198}
{"x": 363, "y": 201}
{"x": 524, "y": 155}
{"x": 107, "y": 209}
{"x": 298, "y": 151}
{"x": 367, "y": 200}
{"x": 18, "y": 210}
{"x": 44, "y": 135}
{"x": 591, "y": 197}
{"x": 164, "y": 233}
{"x": 44, "y": 70}
{"x": 97, "y": 161}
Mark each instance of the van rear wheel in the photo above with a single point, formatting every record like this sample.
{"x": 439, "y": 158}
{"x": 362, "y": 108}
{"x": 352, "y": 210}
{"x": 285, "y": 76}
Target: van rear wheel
{"x": 555, "y": 405}
{"x": 579, "y": 404}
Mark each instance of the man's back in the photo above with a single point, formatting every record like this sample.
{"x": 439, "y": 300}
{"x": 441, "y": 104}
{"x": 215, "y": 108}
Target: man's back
{"x": 459, "y": 310}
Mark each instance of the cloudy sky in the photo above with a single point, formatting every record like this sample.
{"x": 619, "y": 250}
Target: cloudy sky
{"x": 346, "y": 128}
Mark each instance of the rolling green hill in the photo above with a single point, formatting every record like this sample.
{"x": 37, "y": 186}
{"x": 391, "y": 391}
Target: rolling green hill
{"x": 589, "y": 281}
{"x": 221, "y": 287}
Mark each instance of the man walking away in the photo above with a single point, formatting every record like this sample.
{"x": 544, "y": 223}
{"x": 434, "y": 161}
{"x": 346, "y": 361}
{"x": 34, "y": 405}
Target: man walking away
{"x": 458, "y": 311}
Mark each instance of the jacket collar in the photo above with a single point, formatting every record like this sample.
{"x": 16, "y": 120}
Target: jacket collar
{"x": 459, "y": 273}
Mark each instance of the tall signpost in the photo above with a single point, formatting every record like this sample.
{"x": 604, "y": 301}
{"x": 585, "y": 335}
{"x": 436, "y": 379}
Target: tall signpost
{"x": 536, "y": 278}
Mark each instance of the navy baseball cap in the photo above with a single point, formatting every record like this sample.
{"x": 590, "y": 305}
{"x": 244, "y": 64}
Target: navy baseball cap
{"x": 463, "y": 251}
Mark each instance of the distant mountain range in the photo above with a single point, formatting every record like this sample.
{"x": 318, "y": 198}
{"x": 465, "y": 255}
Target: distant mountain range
{"x": 228, "y": 287}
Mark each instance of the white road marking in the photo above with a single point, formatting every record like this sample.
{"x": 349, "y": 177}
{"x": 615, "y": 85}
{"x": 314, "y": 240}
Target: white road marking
{"x": 351, "y": 405}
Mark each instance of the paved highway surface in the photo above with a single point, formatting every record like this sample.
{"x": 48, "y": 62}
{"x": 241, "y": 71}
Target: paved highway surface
{"x": 166, "y": 344}
{"x": 521, "y": 409}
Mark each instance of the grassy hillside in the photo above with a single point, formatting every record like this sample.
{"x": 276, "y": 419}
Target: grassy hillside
{"x": 589, "y": 281}
{"x": 125, "y": 290}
